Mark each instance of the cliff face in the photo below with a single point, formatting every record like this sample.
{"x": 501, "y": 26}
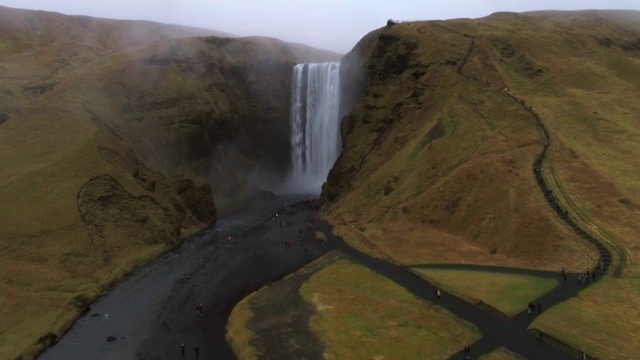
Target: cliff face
{"x": 115, "y": 137}
{"x": 437, "y": 158}
{"x": 210, "y": 108}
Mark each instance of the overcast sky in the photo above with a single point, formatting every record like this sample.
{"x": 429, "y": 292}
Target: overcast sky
{"x": 328, "y": 24}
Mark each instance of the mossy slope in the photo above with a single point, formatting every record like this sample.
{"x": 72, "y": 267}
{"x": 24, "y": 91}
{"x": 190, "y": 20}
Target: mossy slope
{"x": 437, "y": 159}
{"x": 100, "y": 122}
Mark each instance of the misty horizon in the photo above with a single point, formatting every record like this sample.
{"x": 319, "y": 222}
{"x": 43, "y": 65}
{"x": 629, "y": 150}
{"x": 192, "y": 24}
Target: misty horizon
{"x": 332, "y": 25}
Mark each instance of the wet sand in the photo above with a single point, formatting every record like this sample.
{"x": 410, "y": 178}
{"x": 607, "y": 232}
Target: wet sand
{"x": 152, "y": 312}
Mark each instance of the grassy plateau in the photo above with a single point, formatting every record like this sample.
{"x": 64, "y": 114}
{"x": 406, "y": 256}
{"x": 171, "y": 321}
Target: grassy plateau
{"x": 509, "y": 293}
{"x": 501, "y": 353}
{"x": 349, "y": 312}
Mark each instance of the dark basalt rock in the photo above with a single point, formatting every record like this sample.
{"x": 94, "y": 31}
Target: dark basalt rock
{"x": 198, "y": 199}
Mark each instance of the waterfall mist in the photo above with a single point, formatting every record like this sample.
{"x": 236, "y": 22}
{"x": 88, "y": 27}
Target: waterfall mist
{"x": 315, "y": 126}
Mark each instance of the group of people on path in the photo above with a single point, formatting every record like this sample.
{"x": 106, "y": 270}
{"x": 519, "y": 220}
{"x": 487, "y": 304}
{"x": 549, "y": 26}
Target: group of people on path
{"x": 467, "y": 351}
{"x": 291, "y": 209}
{"x": 289, "y": 223}
{"x": 531, "y": 308}
{"x": 199, "y": 309}
{"x": 583, "y": 279}
{"x": 197, "y": 349}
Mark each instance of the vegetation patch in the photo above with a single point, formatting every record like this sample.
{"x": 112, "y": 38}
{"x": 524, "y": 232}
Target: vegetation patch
{"x": 89, "y": 150}
{"x": 238, "y": 333}
{"x": 321, "y": 236}
{"x": 501, "y": 353}
{"x": 360, "y": 314}
{"x": 509, "y": 293}
{"x": 599, "y": 321}
{"x": 5, "y": 45}
{"x": 452, "y": 170}
{"x": 274, "y": 321}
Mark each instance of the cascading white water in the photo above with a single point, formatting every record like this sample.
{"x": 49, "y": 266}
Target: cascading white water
{"x": 315, "y": 125}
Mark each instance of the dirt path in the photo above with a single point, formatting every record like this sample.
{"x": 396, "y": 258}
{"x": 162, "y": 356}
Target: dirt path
{"x": 605, "y": 254}
{"x": 497, "y": 331}
{"x": 560, "y": 293}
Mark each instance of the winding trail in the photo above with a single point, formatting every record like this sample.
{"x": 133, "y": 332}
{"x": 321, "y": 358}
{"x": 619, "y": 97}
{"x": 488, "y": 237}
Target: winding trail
{"x": 497, "y": 330}
{"x": 560, "y": 293}
{"x": 605, "y": 254}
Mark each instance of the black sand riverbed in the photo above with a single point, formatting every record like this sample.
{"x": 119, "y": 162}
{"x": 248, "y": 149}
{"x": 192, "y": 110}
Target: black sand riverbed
{"x": 151, "y": 313}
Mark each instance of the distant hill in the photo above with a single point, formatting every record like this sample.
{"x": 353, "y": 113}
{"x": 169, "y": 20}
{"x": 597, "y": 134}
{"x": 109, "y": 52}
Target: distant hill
{"x": 50, "y": 28}
{"x": 437, "y": 165}
{"x": 443, "y": 148}
{"x": 115, "y": 138}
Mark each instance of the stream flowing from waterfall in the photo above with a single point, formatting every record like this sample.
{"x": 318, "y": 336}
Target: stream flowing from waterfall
{"x": 315, "y": 125}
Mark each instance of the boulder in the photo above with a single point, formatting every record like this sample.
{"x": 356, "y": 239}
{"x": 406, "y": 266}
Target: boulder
{"x": 198, "y": 199}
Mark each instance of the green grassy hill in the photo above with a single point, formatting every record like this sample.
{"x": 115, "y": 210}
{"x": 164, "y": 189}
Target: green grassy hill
{"x": 100, "y": 123}
{"x": 437, "y": 160}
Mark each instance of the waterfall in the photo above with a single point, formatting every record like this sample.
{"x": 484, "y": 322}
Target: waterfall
{"x": 315, "y": 124}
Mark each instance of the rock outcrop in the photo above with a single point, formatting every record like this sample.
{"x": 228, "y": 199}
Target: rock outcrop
{"x": 204, "y": 107}
{"x": 198, "y": 199}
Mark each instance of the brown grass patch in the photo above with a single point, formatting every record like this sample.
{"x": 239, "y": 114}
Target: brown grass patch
{"x": 467, "y": 195}
{"x": 501, "y": 353}
{"x": 363, "y": 315}
{"x": 601, "y": 321}
{"x": 509, "y": 293}
{"x": 238, "y": 333}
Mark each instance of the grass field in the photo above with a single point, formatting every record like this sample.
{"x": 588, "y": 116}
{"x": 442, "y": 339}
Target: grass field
{"x": 274, "y": 321}
{"x": 37, "y": 284}
{"x": 362, "y": 315}
{"x": 601, "y": 321}
{"x": 238, "y": 333}
{"x": 320, "y": 236}
{"x": 509, "y": 293}
{"x": 336, "y": 309}
{"x": 501, "y": 353}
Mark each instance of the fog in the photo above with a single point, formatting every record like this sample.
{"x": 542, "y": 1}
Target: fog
{"x": 334, "y": 25}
